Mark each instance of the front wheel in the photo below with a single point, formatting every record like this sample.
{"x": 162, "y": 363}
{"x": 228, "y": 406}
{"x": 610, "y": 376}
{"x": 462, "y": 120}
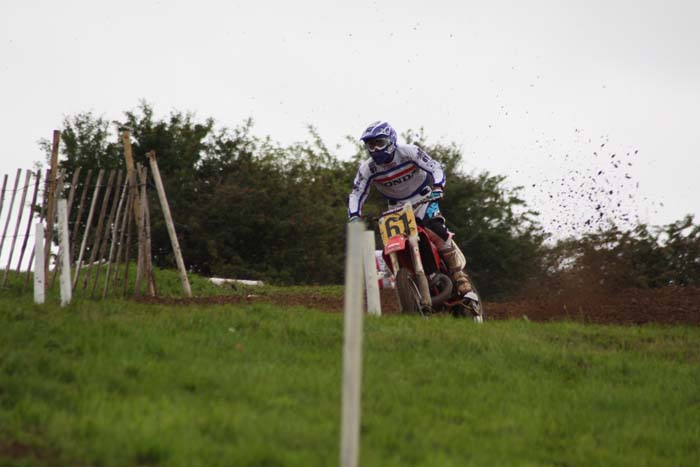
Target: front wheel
{"x": 407, "y": 290}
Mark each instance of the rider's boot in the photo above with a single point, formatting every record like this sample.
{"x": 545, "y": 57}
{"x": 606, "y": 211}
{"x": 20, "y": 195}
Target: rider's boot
{"x": 455, "y": 262}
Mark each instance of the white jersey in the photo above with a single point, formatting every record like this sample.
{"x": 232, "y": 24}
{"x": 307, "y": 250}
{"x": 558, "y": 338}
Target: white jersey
{"x": 408, "y": 173}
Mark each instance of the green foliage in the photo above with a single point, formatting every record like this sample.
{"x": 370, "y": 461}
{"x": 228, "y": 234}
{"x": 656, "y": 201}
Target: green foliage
{"x": 248, "y": 207}
{"x": 118, "y": 383}
{"x": 643, "y": 257}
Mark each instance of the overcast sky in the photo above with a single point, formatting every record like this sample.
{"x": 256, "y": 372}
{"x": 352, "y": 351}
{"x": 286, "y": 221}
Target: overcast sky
{"x": 586, "y": 104}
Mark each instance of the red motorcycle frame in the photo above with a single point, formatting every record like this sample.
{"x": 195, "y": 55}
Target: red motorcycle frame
{"x": 408, "y": 251}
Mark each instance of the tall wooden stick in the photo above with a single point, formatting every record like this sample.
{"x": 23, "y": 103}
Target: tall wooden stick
{"x": 141, "y": 235}
{"x": 125, "y": 225}
{"x": 107, "y": 230}
{"x": 42, "y": 213}
{"x": 2, "y": 194}
{"x": 29, "y": 221}
{"x": 127, "y": 251}
{"x": 152, "y": 290}
{"x": 57, "y": 194}
{"x": 133, "y": 188}
{"x": 9, "y": 212}
{"x": 51, "y": 207}
{"x": 169, "y": 224}
{"x": 19, "y": 221}
{"x": 79, "y": 216}
{"x": 98, "y": 232}
{"x": 73, "y": 185}
{"x": 147, "y": 261}
{"x": 115, "y": 232}
{"x": 39, "y": 289}
{"x": 95, "y": 195}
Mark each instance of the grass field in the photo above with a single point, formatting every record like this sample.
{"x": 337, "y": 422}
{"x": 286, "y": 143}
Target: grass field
{"x": 118, "y": 383}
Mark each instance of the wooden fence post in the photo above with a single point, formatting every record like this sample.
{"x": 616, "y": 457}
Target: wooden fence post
{"x": 64, "y": 249}
{"x": 125, "y": 227}
{"x": 107, "y": 230}
{"x": 115, "y": 231}
{"x": 51, "y": 206}
{"x": 9, "y": 212}
{"x": 133, "y": 188}
{"x": 95, "y": 195}
{"x": 42, "y": 213}
{"x": 2, "y": 193}
{"x": 28, "y": 174}
{"x": 57, "y": 265}
{"x": 127, "y": 249}
{"x": 98, "y": 232}
{"x": 147, "y": 265}
{"x": 169, "y": 224}
{"x": 39, "y": 290}
{"x": 79, "y": 215}
{"x": 30, "y": 222}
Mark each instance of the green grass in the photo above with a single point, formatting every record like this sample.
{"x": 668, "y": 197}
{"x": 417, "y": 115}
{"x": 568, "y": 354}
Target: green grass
{"x": 117, "y": 383}
{"x": 168, "y": 284}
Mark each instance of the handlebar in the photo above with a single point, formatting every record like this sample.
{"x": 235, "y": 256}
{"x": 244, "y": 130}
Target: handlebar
{"x": 420, "y": 202}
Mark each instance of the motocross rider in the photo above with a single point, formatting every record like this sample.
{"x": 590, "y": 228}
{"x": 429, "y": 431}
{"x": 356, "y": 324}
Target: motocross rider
{"x": 404, "y": 173}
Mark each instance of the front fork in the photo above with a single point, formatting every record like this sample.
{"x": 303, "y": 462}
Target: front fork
{"x": 421, "y": 279}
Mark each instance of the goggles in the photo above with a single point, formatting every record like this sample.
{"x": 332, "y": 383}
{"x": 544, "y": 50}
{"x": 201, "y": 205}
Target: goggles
{"x": 377, "y": 144}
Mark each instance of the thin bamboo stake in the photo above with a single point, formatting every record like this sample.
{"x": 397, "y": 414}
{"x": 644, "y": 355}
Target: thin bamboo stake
{"x": 28, "y": 174}
{"x": 2, "y": 194}
{"x": 152, "y": 289}
{"x": 51, "y": 206}
{"x": 71, "y": 194}
{"x": 133, "y": 188}
{"x": 9, "y": 212}
{"x": 169, "y": 224}
{"x": 108, "y": 228}
{"x": 39, "y": 289}
{"x": 42, "y": 212}
{"x": 115, "y": 231}
{"x": 128, "y": 247}
{"x": 126, "y": 223}
{"x": 140, "y": 230}
{"x": 95, "y": 194}
{"x": 29, "y": 221}
{"x": 79, "y": 216}
{"x": 98, "y": 233}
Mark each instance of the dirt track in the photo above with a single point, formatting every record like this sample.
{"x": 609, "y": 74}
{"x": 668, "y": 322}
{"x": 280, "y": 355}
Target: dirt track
{"x": 671, "y": 305}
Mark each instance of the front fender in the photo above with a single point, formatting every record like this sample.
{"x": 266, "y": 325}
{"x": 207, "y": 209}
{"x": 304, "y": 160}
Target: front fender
{"x": 395, "y": 243}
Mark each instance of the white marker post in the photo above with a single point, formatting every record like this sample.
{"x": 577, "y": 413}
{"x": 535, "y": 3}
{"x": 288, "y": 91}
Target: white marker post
{"x": 39, "y": 291}
{"x": 64, "y": 252}
{"x": 374, "y": 305}
{"x": 352, "y": 348}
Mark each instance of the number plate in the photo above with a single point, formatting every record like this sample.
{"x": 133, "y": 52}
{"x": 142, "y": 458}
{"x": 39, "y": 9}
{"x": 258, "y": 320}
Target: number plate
{"x": 401, "y": 222}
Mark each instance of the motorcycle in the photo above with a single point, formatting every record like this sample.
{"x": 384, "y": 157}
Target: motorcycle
{"x": 423, "y": 282}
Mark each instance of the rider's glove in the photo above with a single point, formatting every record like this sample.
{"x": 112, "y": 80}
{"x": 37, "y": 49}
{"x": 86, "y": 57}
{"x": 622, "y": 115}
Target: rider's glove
{"x": 437, "y": 193}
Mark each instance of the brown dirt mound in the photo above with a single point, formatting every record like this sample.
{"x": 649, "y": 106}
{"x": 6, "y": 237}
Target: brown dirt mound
{"x": 670, "y": 305}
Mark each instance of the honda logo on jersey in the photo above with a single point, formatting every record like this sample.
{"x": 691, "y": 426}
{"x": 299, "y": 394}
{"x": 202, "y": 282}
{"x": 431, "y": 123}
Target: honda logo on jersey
{"x": 398, "y": 181}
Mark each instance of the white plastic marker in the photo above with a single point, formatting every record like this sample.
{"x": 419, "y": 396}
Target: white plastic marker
{"x": 374, "y": 305}
{"x": 39, "y": 292}
{"x": 352, "y": 348}
{"x": 64, "y": 252}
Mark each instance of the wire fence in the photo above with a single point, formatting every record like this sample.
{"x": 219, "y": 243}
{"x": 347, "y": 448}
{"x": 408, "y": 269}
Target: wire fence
{"x": 100, "y": 208}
